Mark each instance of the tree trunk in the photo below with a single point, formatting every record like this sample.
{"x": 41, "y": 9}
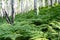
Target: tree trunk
{"x": 3, "y": 7}
{"x": 35, "y": 7}
{"x": 9, "y": 7}
{"x": 43, "y": 3}
{"x": 12, "y": 6}
{"x": 51, "y": 3}
{"x": 46, "y": 2}
{"x": 6, "y": 15}
{"x": 22, "y": 5}
{"x": 56, "y": 1}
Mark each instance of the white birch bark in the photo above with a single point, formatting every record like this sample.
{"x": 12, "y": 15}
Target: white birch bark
{"x": 3, "y": 7}
{"x": 25, "y": 5}
{"x": 9, "y": 7}
{"x": 35, "y": 7}
{"x": 22, "y": 5}
{"x": 49, "y": 2}
{"x": 6, "y": 7}
{"x": 57, "y": 2}
{"x": 43, "y": 3}
{"x": 53, "y": 2}
{"x": 15, "y": 5}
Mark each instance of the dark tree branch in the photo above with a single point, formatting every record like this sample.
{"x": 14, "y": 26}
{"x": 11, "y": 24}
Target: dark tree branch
{"x": 12, "y": 19}
{"x": 6, "y": 15}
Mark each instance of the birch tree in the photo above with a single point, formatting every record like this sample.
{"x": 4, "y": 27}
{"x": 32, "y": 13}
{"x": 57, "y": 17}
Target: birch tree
{"x": 3, "y": 7}
{"x": 12, "y": 7}
{"x": 9, "y": 7}
{"x": 56, "y": 1}
{"x": 4, "y": 11}
{"x": 16, "y": 6}
{"x": 35, "y": 7}
{"x": 46, "y": 2}
{"x": 22, "y": 5}
{"x": 43, "y": 3}
{"x": 51, "y": 2}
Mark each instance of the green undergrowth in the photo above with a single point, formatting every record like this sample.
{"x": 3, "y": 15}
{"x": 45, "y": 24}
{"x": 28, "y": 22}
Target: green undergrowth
{"x": 28, "y": 26}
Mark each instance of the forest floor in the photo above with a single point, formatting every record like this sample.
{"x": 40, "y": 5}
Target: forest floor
{"x": 28, "y": 26}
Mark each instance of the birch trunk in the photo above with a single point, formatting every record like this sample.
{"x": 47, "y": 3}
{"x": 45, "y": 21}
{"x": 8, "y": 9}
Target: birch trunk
{"x": 56, "y": 1}
{"x": 12, "y": 6}
{"x": 3, "y": 7}
{"x": 22, "y": 5}
{"x": 51, "y": 2}
{"x": 35, "y": 7}
{"x": 9, "y": 7}
{"x": 43, "y": 3}
{"x": 46, "y": 2}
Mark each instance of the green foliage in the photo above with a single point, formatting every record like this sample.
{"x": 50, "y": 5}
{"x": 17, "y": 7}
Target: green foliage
{"x": 29, "y": 26}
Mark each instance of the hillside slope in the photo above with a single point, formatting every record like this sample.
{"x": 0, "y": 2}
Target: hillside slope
{"x": 29, "y": 26}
